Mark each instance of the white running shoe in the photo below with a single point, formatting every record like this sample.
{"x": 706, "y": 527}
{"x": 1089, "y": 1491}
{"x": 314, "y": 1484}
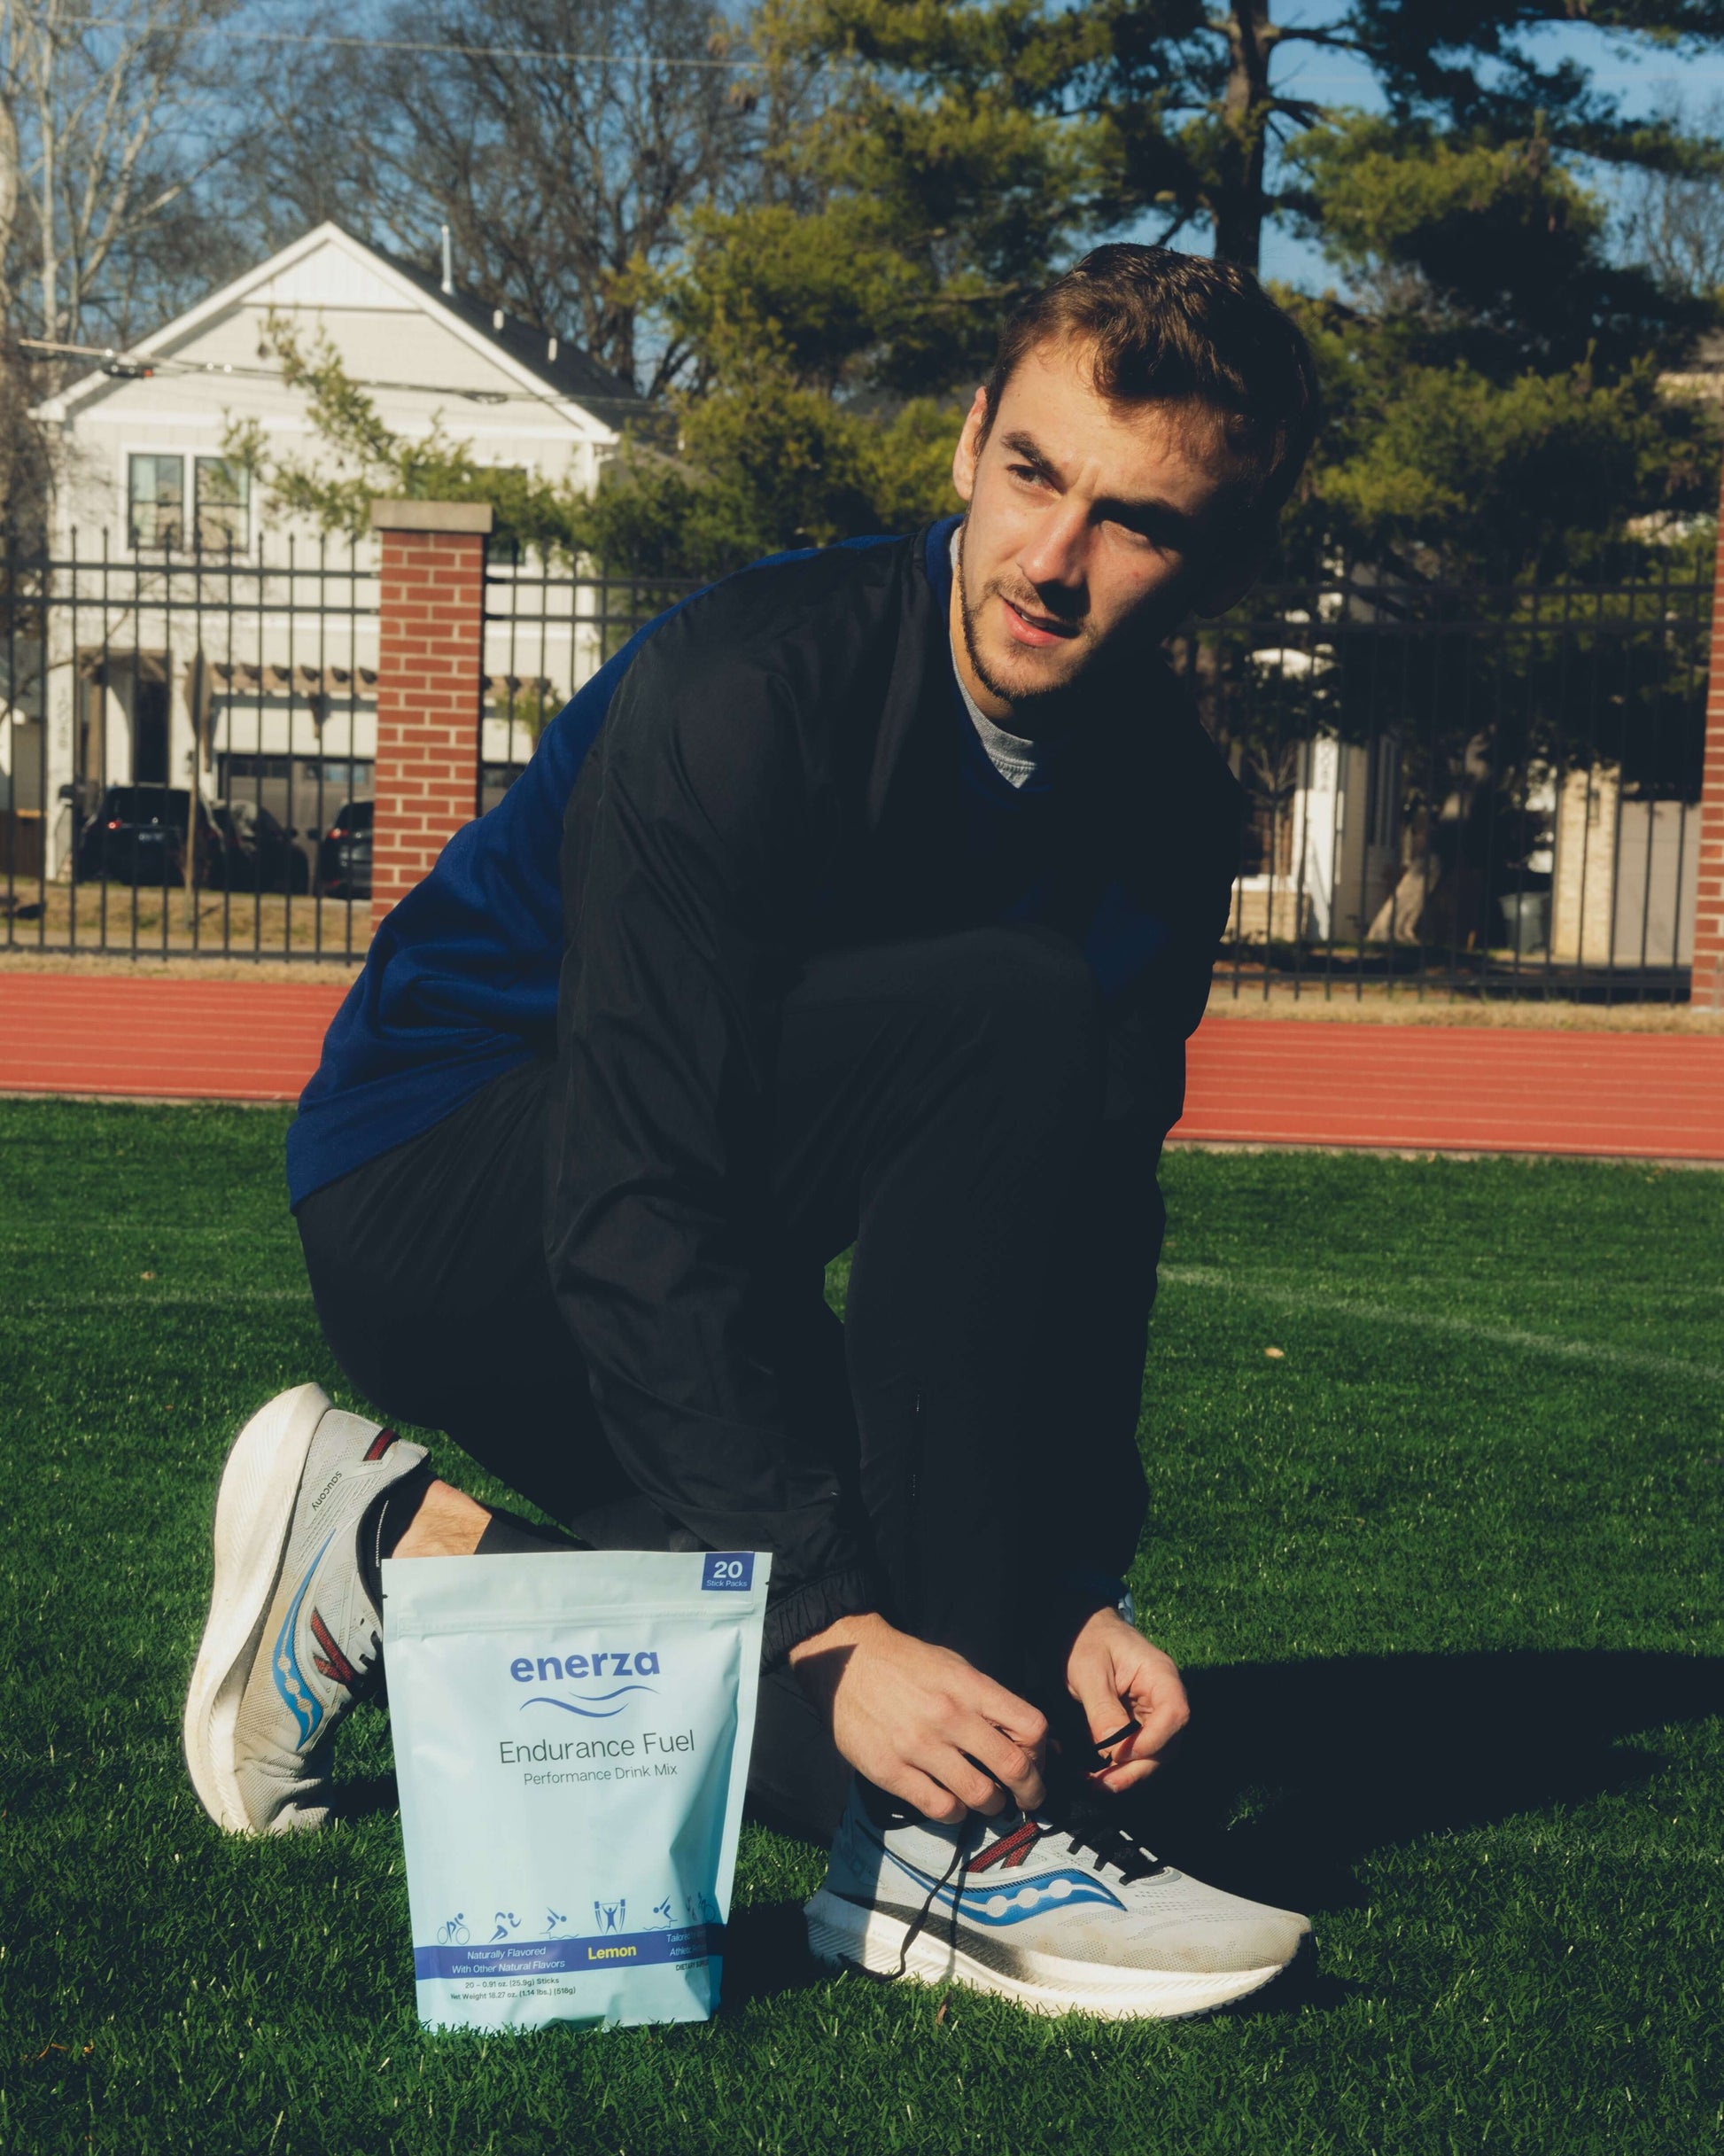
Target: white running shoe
{"x": 1060, "y": 1919}
{"x": 293, "y": 1636}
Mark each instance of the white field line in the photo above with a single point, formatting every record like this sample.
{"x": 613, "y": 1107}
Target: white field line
{"x": 1441, "y": 1321}
{"x": 63, "y": 1232}
{"x": 1184, "y": 1276}
{"x": 232, "y": 1298}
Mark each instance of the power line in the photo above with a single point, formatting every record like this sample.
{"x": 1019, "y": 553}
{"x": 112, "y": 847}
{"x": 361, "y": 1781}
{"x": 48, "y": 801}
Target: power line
{"x": 431, "y": 45}
{"x": 131, "y": 366}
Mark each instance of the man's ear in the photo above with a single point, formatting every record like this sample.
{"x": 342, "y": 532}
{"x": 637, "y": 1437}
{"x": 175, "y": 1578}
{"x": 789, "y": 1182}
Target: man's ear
{"x": 1232, "y": 575}
{"x": 965, "y": 456}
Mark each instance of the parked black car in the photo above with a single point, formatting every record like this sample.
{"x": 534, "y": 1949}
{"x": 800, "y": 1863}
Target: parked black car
{"x": 256, "y": 853}
{"x": 138, "y": 835}
{"x": 344, "y": 859}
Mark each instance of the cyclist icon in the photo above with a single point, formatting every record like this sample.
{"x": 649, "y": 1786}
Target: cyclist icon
{"x": 454, "y": 1932}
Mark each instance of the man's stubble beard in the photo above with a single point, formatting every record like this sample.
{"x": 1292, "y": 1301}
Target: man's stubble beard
{"x": 1056, "y": 704}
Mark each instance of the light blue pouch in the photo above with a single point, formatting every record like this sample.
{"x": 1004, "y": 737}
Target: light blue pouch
{"x": 571, "y": 1746}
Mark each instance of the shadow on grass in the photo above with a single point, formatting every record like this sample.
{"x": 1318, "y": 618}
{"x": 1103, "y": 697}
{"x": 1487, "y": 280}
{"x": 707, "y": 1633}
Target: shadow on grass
{"x": 363, "y": 1797}
{"x": 766, "y": 1953}
{"x": 1303, "y": 1986}
{"x": 1291, "y": 1773}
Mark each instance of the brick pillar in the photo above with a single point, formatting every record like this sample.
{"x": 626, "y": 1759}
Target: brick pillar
{"x": 430, "y": 636}
{"x": 1707, "y": 990}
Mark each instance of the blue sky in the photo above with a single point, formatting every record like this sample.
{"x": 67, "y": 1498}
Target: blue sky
{"x": 1647, "y": 77}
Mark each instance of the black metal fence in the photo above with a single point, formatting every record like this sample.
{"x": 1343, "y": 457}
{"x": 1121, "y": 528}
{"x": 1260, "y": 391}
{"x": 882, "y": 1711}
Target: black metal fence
{"x": 546, "y": 631}
{"x": 182, "y": 734}
{"x": 1477, "y": 789}
{"x": 1487, "y": 790}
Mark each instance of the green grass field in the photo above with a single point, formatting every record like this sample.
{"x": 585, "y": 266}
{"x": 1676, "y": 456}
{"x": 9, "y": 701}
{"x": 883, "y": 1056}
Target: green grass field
{"x": 1445, "y": 1573}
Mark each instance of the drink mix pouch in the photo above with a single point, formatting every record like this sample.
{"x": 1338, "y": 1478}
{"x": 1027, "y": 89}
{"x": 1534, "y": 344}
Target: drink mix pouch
{"x": 571, "y": 1746}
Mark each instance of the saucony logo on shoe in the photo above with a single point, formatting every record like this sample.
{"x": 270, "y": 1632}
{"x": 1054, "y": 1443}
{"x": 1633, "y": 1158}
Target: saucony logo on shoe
{"x": 994, "y": 1906}
{"x": 300, "y": 1702}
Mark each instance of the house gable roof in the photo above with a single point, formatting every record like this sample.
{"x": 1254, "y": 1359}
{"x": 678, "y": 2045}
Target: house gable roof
{"x": 561, "y": 366}
{"x": 551, "y": 373}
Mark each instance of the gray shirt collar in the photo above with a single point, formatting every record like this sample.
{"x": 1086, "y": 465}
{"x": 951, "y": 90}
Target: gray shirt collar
{"x": 1018, "y": 761}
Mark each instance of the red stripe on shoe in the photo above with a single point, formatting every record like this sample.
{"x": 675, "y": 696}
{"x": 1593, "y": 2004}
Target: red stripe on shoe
{"x": 381, "y": 1444}
{"x": 337, "y": 1666}
{"x": 1011, "y": 1849}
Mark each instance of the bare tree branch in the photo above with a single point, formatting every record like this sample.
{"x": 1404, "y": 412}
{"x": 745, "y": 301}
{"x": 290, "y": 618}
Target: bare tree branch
{"x": 117, "y": 128}
{"x": 559, "y": 178}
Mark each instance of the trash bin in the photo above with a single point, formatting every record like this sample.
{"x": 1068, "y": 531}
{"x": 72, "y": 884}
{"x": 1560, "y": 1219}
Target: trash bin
{"x": 1525, "y": 921}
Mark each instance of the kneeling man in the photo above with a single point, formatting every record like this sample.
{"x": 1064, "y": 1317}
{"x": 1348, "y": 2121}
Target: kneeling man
{"x": 865, "y": 900}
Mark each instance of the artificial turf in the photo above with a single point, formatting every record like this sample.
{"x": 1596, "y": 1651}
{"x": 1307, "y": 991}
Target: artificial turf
{"x": 1444, "y": 1572}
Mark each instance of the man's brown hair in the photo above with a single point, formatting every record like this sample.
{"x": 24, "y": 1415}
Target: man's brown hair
{"x": 1162, "y": 328}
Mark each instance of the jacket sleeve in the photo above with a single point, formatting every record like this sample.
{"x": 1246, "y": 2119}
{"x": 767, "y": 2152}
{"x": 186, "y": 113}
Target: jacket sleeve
{"x": 686, "y": 859}
{"x": 1109, "y": 1284}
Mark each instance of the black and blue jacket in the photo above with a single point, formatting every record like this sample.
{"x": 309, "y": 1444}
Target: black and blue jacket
{"x": 779, "y": 766}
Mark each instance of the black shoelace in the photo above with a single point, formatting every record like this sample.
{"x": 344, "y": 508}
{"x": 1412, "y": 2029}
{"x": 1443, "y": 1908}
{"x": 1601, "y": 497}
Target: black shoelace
{"x": 961, "y": 1864}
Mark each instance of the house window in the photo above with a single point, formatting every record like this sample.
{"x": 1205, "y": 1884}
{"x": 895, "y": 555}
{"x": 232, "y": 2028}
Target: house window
{"x": 223, "y": 500}
{"x": 155, "y": 501}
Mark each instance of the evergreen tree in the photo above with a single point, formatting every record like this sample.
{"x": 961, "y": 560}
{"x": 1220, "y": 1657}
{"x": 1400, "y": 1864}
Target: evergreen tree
{"x": 1491, "y": 367}
{"x": 1491, "y": 374}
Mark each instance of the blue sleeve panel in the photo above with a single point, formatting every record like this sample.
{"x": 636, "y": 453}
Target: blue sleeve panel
{"x": 460, "y": 983}
{"x": 461, "y": 980}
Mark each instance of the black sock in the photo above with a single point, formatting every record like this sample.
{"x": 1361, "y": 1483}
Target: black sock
{"x": 508, "y": 1535}
{"x": 386, "y": 1520}
{"x": 389, "y": 1518}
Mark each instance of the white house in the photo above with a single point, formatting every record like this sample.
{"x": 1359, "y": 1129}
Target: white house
{"x": 1322, "y": 845}
{"x": 277, "y": 669}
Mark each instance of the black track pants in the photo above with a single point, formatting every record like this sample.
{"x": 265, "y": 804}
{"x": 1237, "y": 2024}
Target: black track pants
{"x": 936, "y": 1106}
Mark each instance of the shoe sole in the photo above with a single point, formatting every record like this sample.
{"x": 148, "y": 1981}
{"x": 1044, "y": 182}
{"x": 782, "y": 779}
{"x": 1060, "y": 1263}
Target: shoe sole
{"x": 842, "y": 1935}
{"x": 253, "y": 1517}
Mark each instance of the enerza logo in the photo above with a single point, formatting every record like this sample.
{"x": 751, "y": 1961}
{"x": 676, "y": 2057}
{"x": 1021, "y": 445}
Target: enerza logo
{"x": 596, "y": 1664}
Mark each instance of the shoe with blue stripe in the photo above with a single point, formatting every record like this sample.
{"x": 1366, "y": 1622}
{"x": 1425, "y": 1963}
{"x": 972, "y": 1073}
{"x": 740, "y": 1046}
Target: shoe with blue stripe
{"x": 295, "y": 1635}
{"x": 1062, "y": 1918}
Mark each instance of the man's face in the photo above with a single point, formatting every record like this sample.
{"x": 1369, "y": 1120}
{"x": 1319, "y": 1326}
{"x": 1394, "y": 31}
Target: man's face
{"x": 1092, "y": 527}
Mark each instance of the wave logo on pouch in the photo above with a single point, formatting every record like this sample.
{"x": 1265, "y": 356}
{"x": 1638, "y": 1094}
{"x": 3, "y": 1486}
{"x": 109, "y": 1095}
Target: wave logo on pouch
{"x": 581, "y": 1669}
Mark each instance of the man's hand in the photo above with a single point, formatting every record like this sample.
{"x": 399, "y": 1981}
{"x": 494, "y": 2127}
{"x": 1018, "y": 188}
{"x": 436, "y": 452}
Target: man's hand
{"x": 905, "y": 1714}
{"x": 1114, "y": 1675}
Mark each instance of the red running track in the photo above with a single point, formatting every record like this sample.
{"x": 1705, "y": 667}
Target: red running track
{"x": 173, "y": 1039}
{"x": 1513, "y": 1089}
{"x": 1266, "y": 1081}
